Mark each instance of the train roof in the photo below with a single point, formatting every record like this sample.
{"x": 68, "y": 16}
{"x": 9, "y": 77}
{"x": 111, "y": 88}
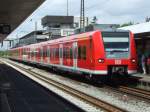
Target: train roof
{"x": 72, "y": 37}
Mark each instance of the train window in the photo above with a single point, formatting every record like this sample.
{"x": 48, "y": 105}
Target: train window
{"x": 67, "y": 52}
{"x": 57, "y": 52}
{"x": 79, "y": 52}
{"x": 60, "y": 52}
{"x": 91, "y": 43}
{"x": 84, "y": 53}
{"x": 71, "y": 53}
{"x": 64, "y": 53}
{"x": 116, "y": 44}
{"x": 44, "y": 53}
{"x": 54, "y": 52}
{"x": 37, "y": 52}
{"x": 51, "y": 52}
{"x": 41, "y": 52}
{"x": 48, "y": 52}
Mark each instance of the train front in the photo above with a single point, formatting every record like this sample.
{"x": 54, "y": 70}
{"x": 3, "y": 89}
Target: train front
{"x": 119, "y": 52}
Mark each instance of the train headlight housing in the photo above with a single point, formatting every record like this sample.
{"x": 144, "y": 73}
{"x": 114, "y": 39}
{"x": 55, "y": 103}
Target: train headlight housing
{"x": 133, "y": 60}
{"x": 101, "y": 60}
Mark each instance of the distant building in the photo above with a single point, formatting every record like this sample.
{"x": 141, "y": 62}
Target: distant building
{"x": 58, "y": 26}
{"x": 33, "y": 37}
{"x": 92, "y": 27}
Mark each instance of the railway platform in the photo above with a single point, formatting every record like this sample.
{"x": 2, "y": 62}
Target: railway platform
{"x": 144, "y": 81}
{"x": 145, "y": 78}
{"x": 20, "y": 94}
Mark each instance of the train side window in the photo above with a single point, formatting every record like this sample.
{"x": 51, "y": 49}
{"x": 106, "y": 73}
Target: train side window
{"x": 91, "y": 42}
{"x": 54, "y": 53}
{"x": 45, "y": 52}
{"x": 79, "y": 52}
{"x": 41, "y": 52}
{"x": 57, "y": 52}
{"x": 48, "y": 52}
{"x": 84, "y": 53}
{"x": 53, "y": 50}
{"x": 64, "y": 52}
{"x": 67, "y": 52}
{"x": 60, "y": 52}
{"x": 71, "y": 53}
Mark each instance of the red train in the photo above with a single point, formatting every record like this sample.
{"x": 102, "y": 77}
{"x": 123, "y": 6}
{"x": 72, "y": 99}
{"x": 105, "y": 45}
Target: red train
{"x": 92, "y": 53}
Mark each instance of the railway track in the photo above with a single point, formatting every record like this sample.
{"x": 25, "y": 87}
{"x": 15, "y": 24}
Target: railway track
{"x": 102, "y": 105}
{"x": 135, "y": 91}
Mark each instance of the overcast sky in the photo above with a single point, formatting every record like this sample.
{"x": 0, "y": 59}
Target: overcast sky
{"x": 107, "y": 11}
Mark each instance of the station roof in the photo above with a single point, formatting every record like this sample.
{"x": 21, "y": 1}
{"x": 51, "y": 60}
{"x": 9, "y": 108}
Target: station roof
{"x": 138, "y": 28}
{"x": 14, "y": 12}
{"x": 140, "y": 31}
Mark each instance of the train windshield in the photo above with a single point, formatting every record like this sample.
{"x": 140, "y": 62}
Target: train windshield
{"x": 116, "y": 44}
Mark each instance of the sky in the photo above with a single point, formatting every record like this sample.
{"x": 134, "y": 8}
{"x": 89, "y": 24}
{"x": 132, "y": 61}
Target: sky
{"x": 107, "y": 12}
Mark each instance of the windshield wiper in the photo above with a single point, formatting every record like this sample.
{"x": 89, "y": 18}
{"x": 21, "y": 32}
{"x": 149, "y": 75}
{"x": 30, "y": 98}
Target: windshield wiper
{"x": 118, "y": 51}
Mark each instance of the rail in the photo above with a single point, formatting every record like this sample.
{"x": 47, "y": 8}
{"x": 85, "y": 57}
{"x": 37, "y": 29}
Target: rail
{"x": 136, "y": 92}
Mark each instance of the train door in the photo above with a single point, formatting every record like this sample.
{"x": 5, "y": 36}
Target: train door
{"x": 61, "y": 54}
{"x": 75, "y": 54}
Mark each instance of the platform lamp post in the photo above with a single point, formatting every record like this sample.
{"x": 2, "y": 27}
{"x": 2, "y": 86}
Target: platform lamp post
{"x": 17, "y": 40}
{"x": 67, "y": 8}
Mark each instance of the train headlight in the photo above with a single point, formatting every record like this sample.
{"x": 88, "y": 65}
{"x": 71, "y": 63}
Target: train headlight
{"x": 133, "y": 60}
{"x": 101, "y": 60}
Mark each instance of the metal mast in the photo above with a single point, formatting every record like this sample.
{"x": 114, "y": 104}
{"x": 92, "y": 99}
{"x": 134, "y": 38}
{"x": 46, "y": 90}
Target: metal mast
{"x": 67, "y": 8}
{"x": 82, "y": 17}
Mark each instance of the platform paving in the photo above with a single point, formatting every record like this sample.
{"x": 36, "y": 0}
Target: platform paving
{"x": 143, "y": 77}
{"x": 24, "y": 95}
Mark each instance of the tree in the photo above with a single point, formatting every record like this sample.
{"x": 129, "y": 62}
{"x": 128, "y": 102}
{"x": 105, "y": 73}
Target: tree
{"x": 94, "y": 20}
{"x": 127, "y": 24}
{"x": 147, "y": 19}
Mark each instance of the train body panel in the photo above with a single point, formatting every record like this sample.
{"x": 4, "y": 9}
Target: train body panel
{"x": 90, "y": 53}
